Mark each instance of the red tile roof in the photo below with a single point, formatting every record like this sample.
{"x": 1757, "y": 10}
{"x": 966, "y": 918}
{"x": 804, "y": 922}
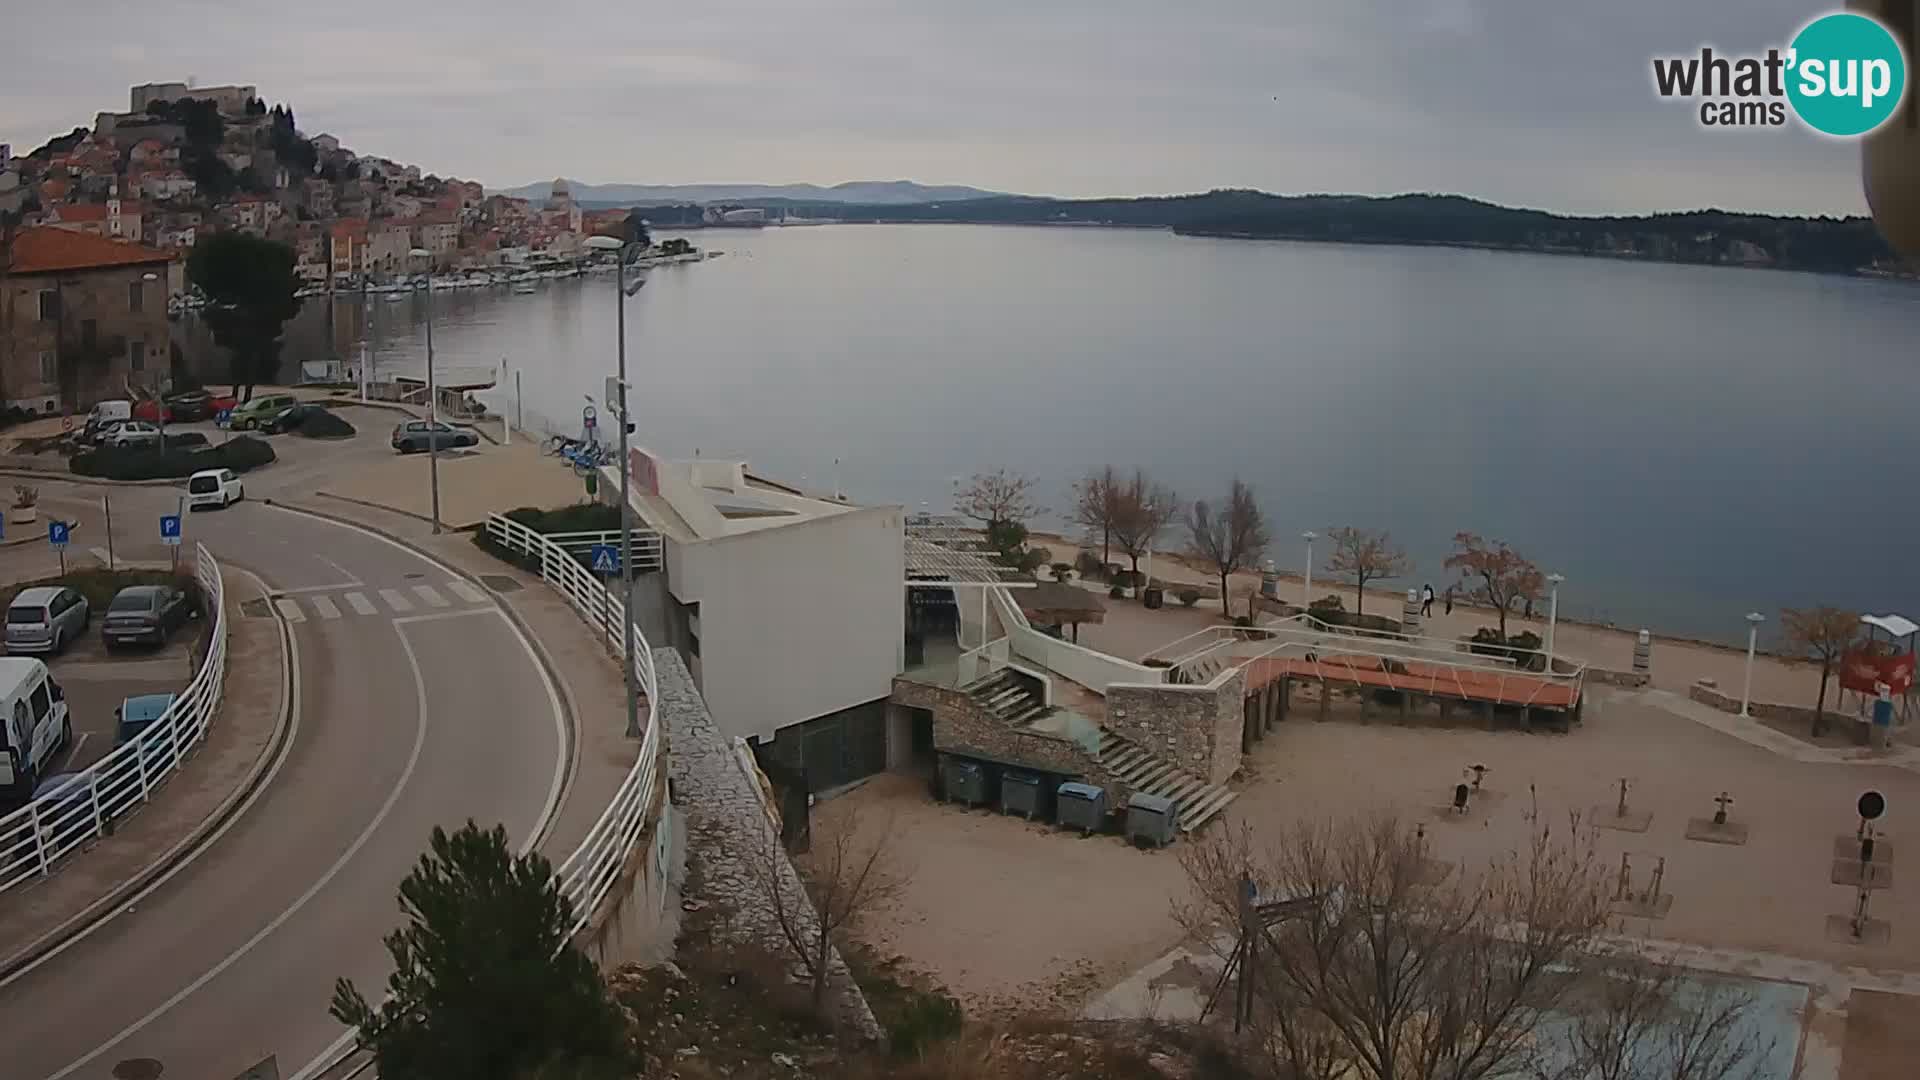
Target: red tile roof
{"x": 46, "y": 250}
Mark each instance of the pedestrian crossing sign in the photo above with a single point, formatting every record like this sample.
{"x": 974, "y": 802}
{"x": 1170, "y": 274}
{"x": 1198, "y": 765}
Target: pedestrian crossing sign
{"x": 605, "y": 559}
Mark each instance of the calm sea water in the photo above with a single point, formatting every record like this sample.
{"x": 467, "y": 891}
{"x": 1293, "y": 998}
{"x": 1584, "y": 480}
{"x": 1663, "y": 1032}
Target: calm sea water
{"x": 1684, "y": 443}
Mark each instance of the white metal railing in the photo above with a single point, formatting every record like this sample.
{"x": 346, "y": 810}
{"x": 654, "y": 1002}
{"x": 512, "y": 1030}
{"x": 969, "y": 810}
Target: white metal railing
{"x": 590, "y": 872}
{"x": 36, "y": 836}
{"x": 646, "y": 545}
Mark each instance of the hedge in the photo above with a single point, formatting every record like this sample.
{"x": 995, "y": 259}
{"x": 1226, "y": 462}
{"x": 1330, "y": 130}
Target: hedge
{"x": 240, "y": 454}
{"x": 98, "y": 585}
{"x": 323, "y": 424}
{"x": 578, "y": 517}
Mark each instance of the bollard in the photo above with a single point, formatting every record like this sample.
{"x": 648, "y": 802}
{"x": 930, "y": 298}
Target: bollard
{"x": 1269, "y": 580}
{"x": 1643, "y": 652}
{"x": 1410, "y": 612}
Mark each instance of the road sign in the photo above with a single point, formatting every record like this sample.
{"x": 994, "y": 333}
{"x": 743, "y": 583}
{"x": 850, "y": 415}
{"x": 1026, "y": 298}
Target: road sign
{"x": 589, "y": 416}
{"x": 605, "y": 559}
{"x": 170, "y": 529}
{"x": 223, "y": 418}
{"x": 66, "y": 422}
{"x": 57, "y": 533}
{"x": 1872, "y": 804}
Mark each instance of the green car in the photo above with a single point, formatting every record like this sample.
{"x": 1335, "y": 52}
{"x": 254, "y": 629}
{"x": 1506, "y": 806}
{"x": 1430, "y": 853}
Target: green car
{"x": 251, "y": 414}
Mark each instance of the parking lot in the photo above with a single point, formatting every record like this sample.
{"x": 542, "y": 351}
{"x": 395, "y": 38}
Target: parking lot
{"x": 96, "y": 682}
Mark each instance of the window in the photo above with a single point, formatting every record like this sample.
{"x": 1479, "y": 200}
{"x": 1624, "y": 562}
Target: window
{"x": 49, "y": 305}
{"x": 136, "y": 296}
{"x": 49, "y": 368}
{"x": 136, "y": 355}
{"x": 89, "y": 333}
{"x": 42, "y": 701}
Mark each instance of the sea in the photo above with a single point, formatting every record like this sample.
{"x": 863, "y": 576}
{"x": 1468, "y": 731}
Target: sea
{"x": 1684, "y": 443}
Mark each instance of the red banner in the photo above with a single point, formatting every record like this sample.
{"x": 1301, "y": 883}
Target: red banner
{"x": 1862, "y": 670}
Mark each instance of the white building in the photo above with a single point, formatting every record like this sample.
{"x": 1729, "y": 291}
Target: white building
{"x": 787, "y": 606}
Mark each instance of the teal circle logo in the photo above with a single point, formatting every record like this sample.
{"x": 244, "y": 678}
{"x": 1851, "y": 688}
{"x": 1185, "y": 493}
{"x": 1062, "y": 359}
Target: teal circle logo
{"x": 1846, "y": 74}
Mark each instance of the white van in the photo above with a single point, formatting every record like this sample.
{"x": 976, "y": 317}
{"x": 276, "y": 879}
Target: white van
{"x": 34, "y": 721}
{"x": 105, "y": 414}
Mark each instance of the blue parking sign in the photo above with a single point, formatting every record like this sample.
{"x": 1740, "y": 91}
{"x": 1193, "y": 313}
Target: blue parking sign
{"x": 57, "y": 533}
{"x": 605, "y": 559}
{"x": 170, "y": 529}
{"x": 223, "y": 418}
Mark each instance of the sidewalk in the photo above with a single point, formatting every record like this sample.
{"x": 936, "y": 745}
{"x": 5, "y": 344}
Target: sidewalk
{"x": 242, "y": 740}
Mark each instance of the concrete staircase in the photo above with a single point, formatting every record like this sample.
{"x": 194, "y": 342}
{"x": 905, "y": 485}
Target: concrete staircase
{"x": 1198, "y": 801}
{"x": 1004, "y": 695}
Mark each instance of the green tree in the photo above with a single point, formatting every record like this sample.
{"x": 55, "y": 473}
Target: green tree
{"x": 249, "y": 284}
{"x": 486, "y": 984}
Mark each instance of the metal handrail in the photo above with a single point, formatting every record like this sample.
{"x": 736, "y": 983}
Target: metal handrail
{"x": 647, "y": 546}
{"x": 590, "y": 872}
{"x": 37, "y": 836}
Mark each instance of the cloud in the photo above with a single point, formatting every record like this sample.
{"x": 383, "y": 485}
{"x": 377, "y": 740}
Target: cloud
{"x": 1537, "y": 104}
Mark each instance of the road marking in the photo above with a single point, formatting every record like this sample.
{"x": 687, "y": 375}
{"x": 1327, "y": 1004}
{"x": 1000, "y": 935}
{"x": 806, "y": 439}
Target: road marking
{"x": 466, "y": 592}
{"x": 73, "y": 752}
{"x": 430, "y": 595}
{"x": 101, "y": 554}
{"x": 306, "y": 589}
{"x": 290, "y": 609}
{"x": 344, "y": 572}
{"x": 440, "y": 616}
{"x": 360, "y": 604}
{"x": 324, "y": 605}
{"x": 396, "y": 601}
{"x": 393, "y": 797}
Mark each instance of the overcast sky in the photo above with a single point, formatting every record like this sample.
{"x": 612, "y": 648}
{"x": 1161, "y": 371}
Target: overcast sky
{"x": 1517, "y": 101}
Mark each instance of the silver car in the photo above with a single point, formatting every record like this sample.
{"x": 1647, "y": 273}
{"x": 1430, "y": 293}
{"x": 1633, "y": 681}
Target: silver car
{"x": 46, "y": 619}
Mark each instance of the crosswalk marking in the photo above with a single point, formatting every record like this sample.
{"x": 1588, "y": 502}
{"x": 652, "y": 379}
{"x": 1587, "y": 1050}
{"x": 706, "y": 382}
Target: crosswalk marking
{"x": 290, "y": 609}
{"x": 360, "y": 604}
{"x": 324, "y": 605}
{"x": 466, "y": 592}
{"x": 396, "y": 601}
{"x": 430, "y": 595}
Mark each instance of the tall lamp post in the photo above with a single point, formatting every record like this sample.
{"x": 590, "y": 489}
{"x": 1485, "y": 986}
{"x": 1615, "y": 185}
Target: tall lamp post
{"x": 1754, "y": 619}
{"x": 433, "y": 396}
{"x": 622, "y": 290}
{"x": 1306, "y": 586}
{"x": 1553, "y": 613}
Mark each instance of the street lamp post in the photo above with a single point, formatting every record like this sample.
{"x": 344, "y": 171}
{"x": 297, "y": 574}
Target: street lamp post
{"x": 1306, "y": 586}
{"x": 160, "y": 406}
{"x": 1553, "y": 613}
{"x": 1754, "y": 619}
{"x": 433, "y": 396}
{"x": 621, "y": 293}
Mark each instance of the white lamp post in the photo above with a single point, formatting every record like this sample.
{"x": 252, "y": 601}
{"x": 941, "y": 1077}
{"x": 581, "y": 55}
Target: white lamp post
{"x": 1306, "y": 585}
{"x": 621, "y": 292}
{"x": 1553, "y": 613}
{"x": 1754, "y": 619}
{"x": 433, "y": 396}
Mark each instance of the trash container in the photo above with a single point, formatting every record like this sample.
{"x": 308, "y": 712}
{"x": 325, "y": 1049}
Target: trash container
{"x": 1020, "y": 794}
{"x": 1080, "y": 806}
{"x": 1155, "y": 596}
{"x": 1152, "y": 819}
{"x": 966, "y": 782}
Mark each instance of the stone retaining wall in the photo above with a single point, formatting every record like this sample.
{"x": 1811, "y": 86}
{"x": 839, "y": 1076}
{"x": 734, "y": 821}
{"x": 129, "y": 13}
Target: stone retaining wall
{"x": 1197, "y": 728}
{"x": 1630, "y": 679}
{"x": 1763, "y": 710}
{"x": 961, "y": 726}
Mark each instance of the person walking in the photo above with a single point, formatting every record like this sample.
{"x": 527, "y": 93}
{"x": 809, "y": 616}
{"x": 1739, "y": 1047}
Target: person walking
{"x": 1426, "y": 601}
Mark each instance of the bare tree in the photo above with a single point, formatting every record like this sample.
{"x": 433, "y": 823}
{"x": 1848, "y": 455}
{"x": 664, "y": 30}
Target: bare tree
{"x": 1638, "y": 1018}
{"x": 1365, "y": 555}
{"x": 1502, "y": 572}
{"x": 1094, "y": 498}
{"x": 1387, "y": 974}
{"x": 1230, "y": 539}
{"x": 846, "y": 876}
{"x": 1821, "y": 635}
{"x": 1000, "y": 497}
{"x": 1142, "y": 512}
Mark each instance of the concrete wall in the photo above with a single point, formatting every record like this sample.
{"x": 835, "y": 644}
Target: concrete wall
{"x": 1763, "y": 710}
{"x": 796, "y": 621}
{"x": 638, "y": 921}
{"x": 1197, "y": 728}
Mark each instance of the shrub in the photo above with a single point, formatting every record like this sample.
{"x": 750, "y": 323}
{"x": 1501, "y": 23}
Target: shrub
{"x": 923, "y": 1020}
{"x": 25, "y": 495}
{"x": 576, "y": 517}
{"x": 1090, "y": 566}
{"x": 98, "y": 585}
{"x": 1118, "y": 592}
{"x": 1328, "y": 604}
{"x": 186, "y": 440}
{"x": 323, "y": 424}
{"x": 1189, "y": 597}
{"x": 1061, "y": 570}
{"x": 240, "y": 454}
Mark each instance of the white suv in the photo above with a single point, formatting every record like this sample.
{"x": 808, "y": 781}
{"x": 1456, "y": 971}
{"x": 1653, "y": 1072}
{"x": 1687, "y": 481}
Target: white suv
{"x": 214, "y": 487}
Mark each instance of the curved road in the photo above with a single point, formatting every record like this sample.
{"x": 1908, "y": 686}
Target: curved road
{"x": 419, "y": 704}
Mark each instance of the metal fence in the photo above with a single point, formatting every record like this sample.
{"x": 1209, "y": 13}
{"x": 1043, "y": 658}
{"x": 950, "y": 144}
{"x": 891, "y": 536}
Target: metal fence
{"x": 646, "y": 545}
{"x": 40, "y": 834}
{"x": 589, "y": 874}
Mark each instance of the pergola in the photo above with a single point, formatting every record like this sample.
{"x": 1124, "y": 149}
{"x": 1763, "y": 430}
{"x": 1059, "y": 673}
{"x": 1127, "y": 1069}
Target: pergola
{"x": 944, "y": 552}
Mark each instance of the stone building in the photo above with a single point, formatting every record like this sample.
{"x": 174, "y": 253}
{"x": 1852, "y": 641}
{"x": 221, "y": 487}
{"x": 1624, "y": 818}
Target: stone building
{"x": 82, "y": 317}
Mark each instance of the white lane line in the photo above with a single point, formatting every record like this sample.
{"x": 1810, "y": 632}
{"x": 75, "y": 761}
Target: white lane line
{"x": 466, "y": 592}
{"x": 335, "y": 587}
{"x": 290, "y": 609}
{"x": 101, "y": 554}
{"x": 360, "y": 604}
{"x": 440, "y": 616}
{"x": 430, "y": 595}
{"x": 393, "y": 797}
{"x": 344, "y": 572}
{"x": 324, "y": 605}
{"x": 73, "y": 754}
{"x": 395, "y": 600}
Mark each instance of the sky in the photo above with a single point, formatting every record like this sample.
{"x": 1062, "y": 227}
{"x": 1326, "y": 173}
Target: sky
{"x": 1546, "y": 105}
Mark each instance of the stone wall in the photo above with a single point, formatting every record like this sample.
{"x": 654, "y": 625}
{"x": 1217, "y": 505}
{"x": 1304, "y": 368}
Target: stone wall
{"x": 1707, "y": 695}
{"x": 729, "y": 829}
{"x": 1197, "y": 728}
{"x": 961, "y": 725}
{"x": 1630, "y": 679}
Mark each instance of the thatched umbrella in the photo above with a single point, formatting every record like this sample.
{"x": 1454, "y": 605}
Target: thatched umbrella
{"x": 1054, "y": 603}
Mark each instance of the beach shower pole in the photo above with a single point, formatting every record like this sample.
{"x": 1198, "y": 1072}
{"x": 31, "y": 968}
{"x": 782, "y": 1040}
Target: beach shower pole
{"x": 433, "y": 397}
{"x": 1306, "y": 586}
{"x": 1553, "y": 613}
{"x": 1754, "y": 619}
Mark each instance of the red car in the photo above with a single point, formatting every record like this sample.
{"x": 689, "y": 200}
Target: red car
{"x": 149, "y": 410}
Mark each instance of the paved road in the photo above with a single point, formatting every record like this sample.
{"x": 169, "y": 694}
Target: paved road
{"x": 419, "y": 705}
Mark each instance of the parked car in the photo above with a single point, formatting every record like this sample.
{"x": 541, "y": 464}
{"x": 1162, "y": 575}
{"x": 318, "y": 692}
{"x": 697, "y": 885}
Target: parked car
{"x": 214, "y": 487}
{"x": 144, "y": 613}
{"x": 34, "y": 727}
{"x": 104, "y": 414}
{"x": 289, "y": 418}
{"x": 133, "y": 433}
{"x": 415, "y": 435}
{"x": 45, "y": 619}
{"x": 191, "y": 405}
{"x": 149, "y": 409}
{"x": 137, "y": 714}
{"x": 249, "y": 414}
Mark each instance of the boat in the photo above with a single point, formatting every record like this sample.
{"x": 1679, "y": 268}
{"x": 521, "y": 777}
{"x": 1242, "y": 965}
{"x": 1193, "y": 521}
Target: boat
{"x": 524, "y": 288}
{"x": 395, "y": 297}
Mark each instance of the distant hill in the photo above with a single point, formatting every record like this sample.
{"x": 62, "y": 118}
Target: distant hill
{"x": 865, "y": 192}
